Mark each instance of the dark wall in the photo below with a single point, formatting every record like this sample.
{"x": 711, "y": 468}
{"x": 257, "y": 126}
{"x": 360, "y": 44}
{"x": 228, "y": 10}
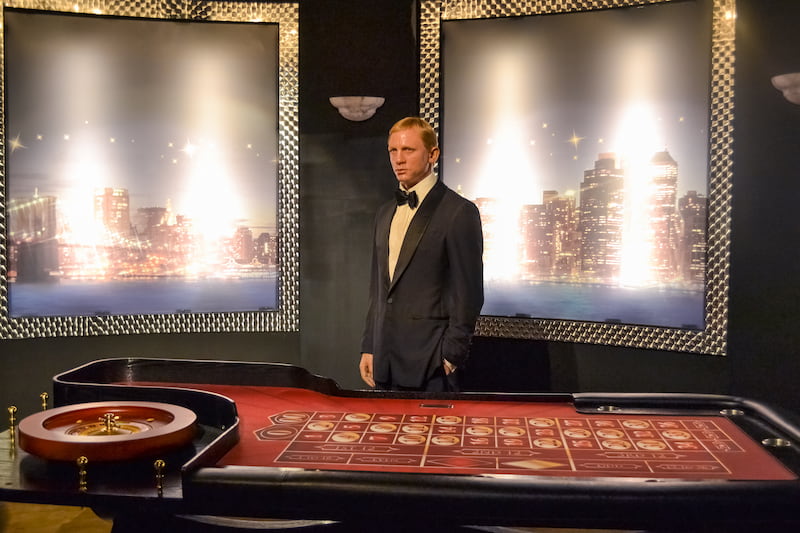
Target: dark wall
{"x": 369, "y": 47}
{"x": 765, "y": 259}
{"x": 27, "y": 366}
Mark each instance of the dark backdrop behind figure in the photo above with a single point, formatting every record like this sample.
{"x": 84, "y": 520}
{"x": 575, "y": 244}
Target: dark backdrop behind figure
{"x": 347, "y": 48}
{"x": 370, "y": 46}
{"x": 765, "y": 258}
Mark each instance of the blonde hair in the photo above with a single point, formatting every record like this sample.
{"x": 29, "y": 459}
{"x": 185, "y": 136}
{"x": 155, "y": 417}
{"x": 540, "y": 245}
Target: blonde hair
{"x": 426, "y": 130}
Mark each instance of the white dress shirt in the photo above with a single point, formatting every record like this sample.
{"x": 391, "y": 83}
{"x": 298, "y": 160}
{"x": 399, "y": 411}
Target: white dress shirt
{"x": 402, "y": 219}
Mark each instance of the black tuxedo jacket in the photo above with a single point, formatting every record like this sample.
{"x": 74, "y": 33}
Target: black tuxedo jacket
{"x": 428, "y": 312}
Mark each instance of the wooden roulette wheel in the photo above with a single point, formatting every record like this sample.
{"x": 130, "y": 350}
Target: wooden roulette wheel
{"x": 107, "y": 431}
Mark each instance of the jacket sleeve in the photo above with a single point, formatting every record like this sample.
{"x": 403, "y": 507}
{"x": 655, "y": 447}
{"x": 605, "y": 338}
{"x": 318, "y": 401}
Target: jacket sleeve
{"x": 367, "y": 338}
{"x": 465, "y": 294}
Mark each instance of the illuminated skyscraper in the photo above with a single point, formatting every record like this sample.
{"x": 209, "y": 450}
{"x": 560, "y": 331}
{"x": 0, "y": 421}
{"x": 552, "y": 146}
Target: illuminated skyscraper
{"x": 266, "y": 249}
{"x": 537, "y": 241}
{"x": 566, "y": 244}
{"x": 243, "y": 246}
{"x": 549, "y": 244}
{"x": 112, "y": 210}
{"x": 693, "y": 209}
{"x": 601, "y": 218}
{"x": 664, "y": 217}
{"x": 150, "y": 217}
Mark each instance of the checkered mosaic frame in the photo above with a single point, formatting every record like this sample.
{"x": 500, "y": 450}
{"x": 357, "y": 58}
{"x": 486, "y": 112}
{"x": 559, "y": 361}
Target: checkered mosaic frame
{"x": 286, "y": 318}
{"x": 713, "y": 338}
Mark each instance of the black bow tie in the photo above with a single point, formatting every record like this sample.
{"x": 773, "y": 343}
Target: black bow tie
{"x": 404, "y": 197}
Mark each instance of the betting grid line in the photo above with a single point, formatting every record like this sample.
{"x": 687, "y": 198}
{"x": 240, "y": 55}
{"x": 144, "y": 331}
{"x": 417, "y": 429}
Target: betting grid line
{"x": 567, "y": 449}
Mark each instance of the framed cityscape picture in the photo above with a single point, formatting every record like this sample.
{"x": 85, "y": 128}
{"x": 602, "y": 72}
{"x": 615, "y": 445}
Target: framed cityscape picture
{"x": 597, "y": 143}
{"x": 150, "y": 168}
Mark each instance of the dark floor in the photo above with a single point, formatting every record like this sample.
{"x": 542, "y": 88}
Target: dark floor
{"x": 30, "y": 518}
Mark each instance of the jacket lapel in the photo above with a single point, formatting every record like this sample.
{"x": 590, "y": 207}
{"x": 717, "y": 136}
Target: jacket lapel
{"x": 416, "y": 230}
{"x": 384, "y": 226}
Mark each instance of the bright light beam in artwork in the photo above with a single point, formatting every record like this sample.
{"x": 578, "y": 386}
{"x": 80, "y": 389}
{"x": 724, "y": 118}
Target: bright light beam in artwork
{"x": 209, "y": 196}
{"x": 637, "y": 141}
{"x": 84, "y": 167}
{"x": 507, "y": 176}
{"x": 638, "y": 137}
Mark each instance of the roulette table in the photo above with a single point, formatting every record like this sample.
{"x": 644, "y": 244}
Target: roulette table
{"x": 279, "y": 445}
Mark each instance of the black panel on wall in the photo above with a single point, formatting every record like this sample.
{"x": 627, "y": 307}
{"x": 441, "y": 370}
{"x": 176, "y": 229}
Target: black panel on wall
{"x": 507, "y": 365}
{"x": 347, "y": 48}
{"x": 765, "y": 256}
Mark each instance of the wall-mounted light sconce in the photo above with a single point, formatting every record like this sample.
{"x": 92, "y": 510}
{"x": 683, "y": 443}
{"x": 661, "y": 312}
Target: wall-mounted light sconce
{"x": 357, "y": 108}
{"x": 789, "y": 85}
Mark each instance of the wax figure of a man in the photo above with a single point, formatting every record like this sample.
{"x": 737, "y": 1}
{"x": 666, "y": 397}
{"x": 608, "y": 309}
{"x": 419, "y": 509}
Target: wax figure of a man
{"x": 426, "y": 280}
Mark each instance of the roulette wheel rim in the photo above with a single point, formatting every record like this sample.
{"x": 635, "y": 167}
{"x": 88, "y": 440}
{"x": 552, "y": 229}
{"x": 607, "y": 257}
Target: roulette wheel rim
{"x": 132, "y": 430}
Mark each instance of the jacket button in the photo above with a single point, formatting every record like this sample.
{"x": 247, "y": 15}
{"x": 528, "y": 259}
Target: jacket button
{"x": 389, "y": 300}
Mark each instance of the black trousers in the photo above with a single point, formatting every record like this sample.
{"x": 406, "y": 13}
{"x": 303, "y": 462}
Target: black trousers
{"x": 438, "y": 382}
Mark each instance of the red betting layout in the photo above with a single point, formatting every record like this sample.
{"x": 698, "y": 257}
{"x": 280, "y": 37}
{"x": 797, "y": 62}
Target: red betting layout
{"x": 288, "y": 427}
{"x": 504, "y": 444}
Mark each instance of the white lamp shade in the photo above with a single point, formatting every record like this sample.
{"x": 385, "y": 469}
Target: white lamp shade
{"x": 357, "y": 108}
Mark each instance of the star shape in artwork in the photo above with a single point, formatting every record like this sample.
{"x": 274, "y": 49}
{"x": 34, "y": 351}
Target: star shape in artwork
{"x": 16, "y": 144}
{"x": 575, "y": 140}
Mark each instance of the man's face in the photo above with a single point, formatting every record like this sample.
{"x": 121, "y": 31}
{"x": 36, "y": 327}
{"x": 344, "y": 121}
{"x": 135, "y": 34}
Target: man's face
{"x": 411, "y": 161}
